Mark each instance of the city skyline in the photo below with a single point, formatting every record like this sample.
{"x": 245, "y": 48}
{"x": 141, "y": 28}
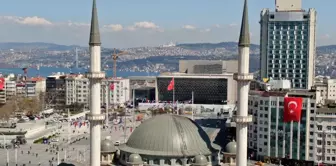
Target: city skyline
{"x": 149, "y": 23}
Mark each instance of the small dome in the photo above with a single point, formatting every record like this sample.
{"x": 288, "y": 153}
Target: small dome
{"x": 200, "y": 160}
{"x": 135, "y": 159}
{"x": 231, "y": 147}
{"x": 107, "y": 146}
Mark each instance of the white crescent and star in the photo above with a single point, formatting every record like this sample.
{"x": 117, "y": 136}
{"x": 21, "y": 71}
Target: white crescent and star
{"x": 292, "y": 103}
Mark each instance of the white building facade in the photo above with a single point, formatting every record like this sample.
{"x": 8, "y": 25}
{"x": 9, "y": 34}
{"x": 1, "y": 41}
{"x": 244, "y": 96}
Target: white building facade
{"x": 324, "y": 129}
{"x": 119, "y": 95}
{"x": 270, "y": 137}
{"x": 77, "y": 90}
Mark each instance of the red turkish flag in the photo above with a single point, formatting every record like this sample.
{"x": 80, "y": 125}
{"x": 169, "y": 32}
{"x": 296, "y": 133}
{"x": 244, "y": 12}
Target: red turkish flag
{"x": 171, "y": 85}
{"x": 292, "y": 109}
{"x": 112, "y": 86}
{"x": 2, "y": 83}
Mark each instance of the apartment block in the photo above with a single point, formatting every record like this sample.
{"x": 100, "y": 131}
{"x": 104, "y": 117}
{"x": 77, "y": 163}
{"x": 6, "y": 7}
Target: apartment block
{"x": 77, "y": 90}
{"x": 119, "y": 94}
{"x": 325, "y": 90}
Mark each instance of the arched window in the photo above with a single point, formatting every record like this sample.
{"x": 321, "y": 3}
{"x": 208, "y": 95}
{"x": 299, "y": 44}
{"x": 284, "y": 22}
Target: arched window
{"x": 189, "y": 161}
{"x": 179, "y": 162}
{"x": 123, "y": 157}
{"x": 156, "y": 161}
{"x": 105, "y": 157}
{"x": 167, "y": 162}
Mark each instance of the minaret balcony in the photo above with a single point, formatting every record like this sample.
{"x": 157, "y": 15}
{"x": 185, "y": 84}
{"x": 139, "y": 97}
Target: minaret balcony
{"x": 96, "y": 75}
{"x": 243, "y": 77}
{"x": 95, "y": 117}
{"x": 243, "y": 119}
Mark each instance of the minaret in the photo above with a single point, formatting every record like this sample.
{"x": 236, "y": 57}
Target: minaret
{"x": 95, "y": 76}
{"x": 243, "y": 78}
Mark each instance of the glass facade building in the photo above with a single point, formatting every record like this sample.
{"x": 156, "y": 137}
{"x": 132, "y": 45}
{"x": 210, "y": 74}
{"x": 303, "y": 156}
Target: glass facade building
{"x": 287, "y": 45}
{"x": 206, "y": 90}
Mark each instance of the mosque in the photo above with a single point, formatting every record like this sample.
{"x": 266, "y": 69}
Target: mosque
{"x": 167, "y": 140}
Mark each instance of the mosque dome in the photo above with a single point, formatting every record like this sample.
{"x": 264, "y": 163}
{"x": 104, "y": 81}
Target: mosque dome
{"x": 107, "y": 146}
{"x": 231, "y": 147}
{"x": 169, "y": 135}
{"x": 135, "y": 159}
{"x": 200, "y": 160}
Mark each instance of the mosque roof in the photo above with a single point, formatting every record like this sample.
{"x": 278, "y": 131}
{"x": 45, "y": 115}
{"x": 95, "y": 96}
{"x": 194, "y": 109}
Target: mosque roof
{"x": 169, "y": 135}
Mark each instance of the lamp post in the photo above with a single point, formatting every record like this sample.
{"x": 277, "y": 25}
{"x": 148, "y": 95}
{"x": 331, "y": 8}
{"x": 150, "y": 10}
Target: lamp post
{"x": 4, "y": 145}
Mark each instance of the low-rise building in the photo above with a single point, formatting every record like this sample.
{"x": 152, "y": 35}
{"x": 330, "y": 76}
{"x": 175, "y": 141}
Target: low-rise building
{"x": 325, "y": 90}
{"x": 207, "y": 88}
{"x": 324, "y": 128}
{"x": 77, "y": 90}
{"x": 115, "y": 90}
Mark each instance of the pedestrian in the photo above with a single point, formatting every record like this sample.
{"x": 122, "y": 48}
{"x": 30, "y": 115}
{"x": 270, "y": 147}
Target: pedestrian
{"x": 30, "y": 148}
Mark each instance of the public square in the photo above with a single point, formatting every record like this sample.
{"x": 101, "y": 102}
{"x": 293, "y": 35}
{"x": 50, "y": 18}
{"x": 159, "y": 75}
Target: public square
{"x": 75, "y": 151}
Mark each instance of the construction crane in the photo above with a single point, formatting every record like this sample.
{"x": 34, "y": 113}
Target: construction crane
{"x": 115, "y": 57}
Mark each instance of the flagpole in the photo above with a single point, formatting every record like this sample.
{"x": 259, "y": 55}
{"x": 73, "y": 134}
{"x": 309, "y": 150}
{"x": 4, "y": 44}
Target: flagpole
{"x": 291, "y": 141}
{"x": 133, "y": 112}
{"x": 298, "y": 143}
{"x": 174, "y": 96}
{"x": 192, "y": 105}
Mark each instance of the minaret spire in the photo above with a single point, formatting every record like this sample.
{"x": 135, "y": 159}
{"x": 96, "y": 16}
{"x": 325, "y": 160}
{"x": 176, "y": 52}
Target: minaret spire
{"x": 94, "y": 32}
{"x": 244, "y": 38}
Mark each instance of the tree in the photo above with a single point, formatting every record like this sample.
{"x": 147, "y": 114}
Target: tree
{"x": 7, "y": 109}
{"x": 76, "y": 107}
{"x": 29, "y": 105}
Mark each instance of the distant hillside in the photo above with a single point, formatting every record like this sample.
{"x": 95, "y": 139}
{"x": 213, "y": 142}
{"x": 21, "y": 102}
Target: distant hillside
{"x": 35, "y": 45}
{"x": 326, "y": 49}
{"x": 233, "y": 46}
{"x": 230, "y": 46}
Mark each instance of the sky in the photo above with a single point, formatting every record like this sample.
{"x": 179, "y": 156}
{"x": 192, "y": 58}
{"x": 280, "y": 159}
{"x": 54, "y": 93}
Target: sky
{"x": 135, "y": 23}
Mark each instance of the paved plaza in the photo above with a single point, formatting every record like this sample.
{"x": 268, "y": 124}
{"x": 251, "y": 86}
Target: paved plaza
{"x": 77, "y": 151}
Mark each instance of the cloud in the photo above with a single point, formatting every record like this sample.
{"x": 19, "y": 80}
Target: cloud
{"x": 217, "y": 26}
{"x": 25, "y": 20}
{"x": 206, "y": 30}
{"x": 145, "y": 25}
{"x": 141, "y": 33}
{"x": 75, "y": 24}
{"x": 114, "y": 27}
{"x": 233, "y": 25}
{"x": 189, "y": 27}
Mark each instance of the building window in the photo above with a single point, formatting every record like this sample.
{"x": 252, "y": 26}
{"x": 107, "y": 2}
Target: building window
{"x": 156, "y": 162}
{"x": 167, "y": 162}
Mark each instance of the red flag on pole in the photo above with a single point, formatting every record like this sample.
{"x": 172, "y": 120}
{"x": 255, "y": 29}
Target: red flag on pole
{"x": 292, "y": 109}
{"x": 171, "y": 85}
{"x": 112, "y": 86}
{"x": 2, "y": 83}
